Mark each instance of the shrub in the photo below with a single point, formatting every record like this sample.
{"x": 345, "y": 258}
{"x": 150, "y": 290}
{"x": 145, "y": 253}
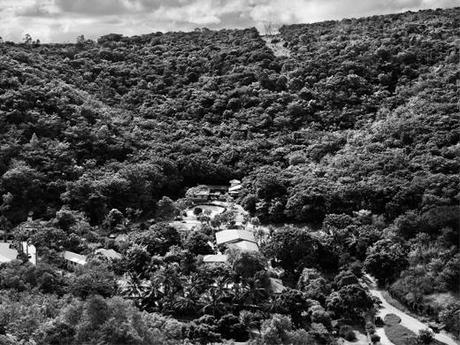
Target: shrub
{"x": 370, "y": 327}
{"x": 425, "y": 337}
{"x": 347, "y": 333}
{"x": 375, "y": 338}
{"x": 379, "y": 322}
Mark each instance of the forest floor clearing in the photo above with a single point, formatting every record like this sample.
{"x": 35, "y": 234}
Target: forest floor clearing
{"x": 361, "y": 339}
{"x": 407, "y": 320}
{"x": 276, "y": 44}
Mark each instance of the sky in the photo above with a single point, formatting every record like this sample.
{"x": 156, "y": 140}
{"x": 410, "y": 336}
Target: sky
{"x": 64, "y": 20}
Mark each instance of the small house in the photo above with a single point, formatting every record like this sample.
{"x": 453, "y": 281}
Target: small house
{"x": 215, "y": 258}
{"x": 233, "y": 236}
{"x": 7, "y": 252}
{"x": 74, "y": 260}
{"x": 31, "y": 252}
{"x": 235, "y": 188}
{"x": 235, "y": 182}
{"x": 245, "y": 246}
{"x": 276, "y": 285}
{"x": 203, "y": 193}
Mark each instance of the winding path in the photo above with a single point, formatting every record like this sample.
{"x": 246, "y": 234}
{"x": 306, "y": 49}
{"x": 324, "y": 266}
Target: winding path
{"x": 406, "y": 320}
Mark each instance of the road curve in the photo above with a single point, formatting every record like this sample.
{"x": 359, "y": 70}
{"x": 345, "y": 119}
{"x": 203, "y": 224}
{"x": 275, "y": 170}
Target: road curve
{"x": 406, "y": 320}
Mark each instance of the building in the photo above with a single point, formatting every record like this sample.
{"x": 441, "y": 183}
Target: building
{"x": 215, "y": 258}
{"x": 235, "y": 188}
{"x": 109, "y": 253}
{"x": 7, "y": 252}
{"x": 31, "y": 252}
{"x": 233, "y": 236}
{"x": 203, "y": 193}
{"x": 276, "y": 285}
{"x": 239, "y": 239}
{"x": 74, "y": 260}
{"x": 245, "y": 246}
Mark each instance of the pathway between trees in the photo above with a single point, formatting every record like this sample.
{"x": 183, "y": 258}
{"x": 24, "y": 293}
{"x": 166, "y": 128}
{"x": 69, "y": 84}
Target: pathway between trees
{"x": 406, "y": 320}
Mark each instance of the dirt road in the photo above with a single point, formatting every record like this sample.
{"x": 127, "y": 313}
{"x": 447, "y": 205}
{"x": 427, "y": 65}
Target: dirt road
{"x": 406, "y": 320}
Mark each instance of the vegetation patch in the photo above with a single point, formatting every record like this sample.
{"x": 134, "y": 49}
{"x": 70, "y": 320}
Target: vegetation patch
{"x": 392, "y": 319}
{"x": 399, "y": 335}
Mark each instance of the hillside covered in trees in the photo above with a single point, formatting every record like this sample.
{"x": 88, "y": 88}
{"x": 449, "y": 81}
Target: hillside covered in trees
{"x": 355, "y": 134}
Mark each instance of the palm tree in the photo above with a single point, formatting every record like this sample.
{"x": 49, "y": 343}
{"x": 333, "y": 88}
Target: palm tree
{"x": 216, "y": 298}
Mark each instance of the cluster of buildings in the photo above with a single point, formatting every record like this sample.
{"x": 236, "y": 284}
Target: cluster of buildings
{"x": 244, "y": 241}
{"x": 234, "y": 238}
{"x": 204, "y": 193}
{"x": 74, "y": 260}
{"x": 10, "y": 251}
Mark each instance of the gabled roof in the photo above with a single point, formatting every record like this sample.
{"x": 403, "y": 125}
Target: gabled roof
{"x": 230, "y": 236}
{"x": 7, "y": 254}
{"x": 276, "y": 285}
{"x": 235, "y": 188}
{"x": 215, "y": 258}
{"x": 246, "y": 246}
{"x": 74, "y": 257}
{"x": 109, "y": 253}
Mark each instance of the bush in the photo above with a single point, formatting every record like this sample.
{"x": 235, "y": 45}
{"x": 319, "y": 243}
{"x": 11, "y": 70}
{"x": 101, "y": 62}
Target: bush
{"x": 425, "y": 337}
{"x": 375, "y": 338}
{"x": 379, "y": 322}
{"x": 347, "y": 333}
{"x": 370, "y": 327}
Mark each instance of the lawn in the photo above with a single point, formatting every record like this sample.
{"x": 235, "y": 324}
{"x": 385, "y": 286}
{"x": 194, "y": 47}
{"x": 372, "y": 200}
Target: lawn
{"x": 399, "y": 335}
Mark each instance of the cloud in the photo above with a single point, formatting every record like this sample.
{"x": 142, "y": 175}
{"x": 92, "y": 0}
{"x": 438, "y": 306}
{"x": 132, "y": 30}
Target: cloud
{"x": 63, "y": 20}
{"x": 98, "y": 7}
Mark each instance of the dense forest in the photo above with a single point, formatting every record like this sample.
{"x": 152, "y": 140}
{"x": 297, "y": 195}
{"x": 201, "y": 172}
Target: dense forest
{"x": 349, "y": 145}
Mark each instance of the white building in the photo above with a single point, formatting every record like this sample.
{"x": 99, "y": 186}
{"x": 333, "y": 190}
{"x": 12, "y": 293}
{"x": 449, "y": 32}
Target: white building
{"x": 30, "y": 251}
{"x": 232, "y": 236}
{"x": 235, "y": 188}
{"x": 73, "y": 259}
{"x": 215, "y": 258}
{"x": 240, "y": 239}
{"x": 7, "y": 252}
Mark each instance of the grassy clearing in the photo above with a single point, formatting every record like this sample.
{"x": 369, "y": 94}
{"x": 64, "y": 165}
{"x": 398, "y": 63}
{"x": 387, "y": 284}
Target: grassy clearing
{"x": 361, "y": 339}
{"x": 399, "y": 335}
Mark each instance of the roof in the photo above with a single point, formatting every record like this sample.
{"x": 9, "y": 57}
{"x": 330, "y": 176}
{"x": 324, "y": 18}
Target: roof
{"x": 234, "y": 181}
{"x": 215, "y": 258}
{"x": 246, "y": 246}
{"x": 31, "y": 251}
{"x": 202, "y": 192}
{"x": 230, "y": 236}
{"x": 7, "y": 254}
{"x": 109, "y": 253}
{"x": 276, "y": 285}
{"x": 74, "y": 257}
{"x": 121, "y": 238}
{"x": 235, "y": 188}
